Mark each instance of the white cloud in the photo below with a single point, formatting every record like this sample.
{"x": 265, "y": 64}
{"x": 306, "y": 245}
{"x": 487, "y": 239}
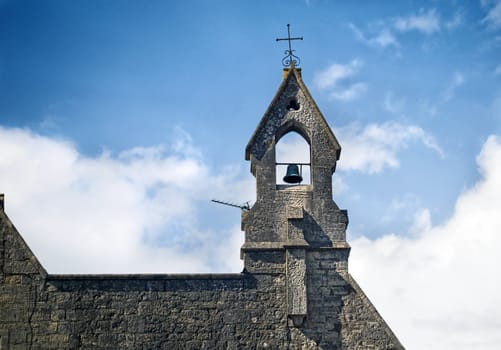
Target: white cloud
{"x": 493, "y": 17}
{"x": 349, "y": 93}
{"x": 384, "y": 33}
{"x": 422, "y": 222}
{"x": 332, "y": 79}
{"x": 450, "y": 92}
{"x": 134, "y": 212}
{"x": 425, "y": 22}
{"x": 336, "y": 72}
{"x": 376, "y": 146}
{"x": 440, "y": 289}
{"x": 384, "y": 38}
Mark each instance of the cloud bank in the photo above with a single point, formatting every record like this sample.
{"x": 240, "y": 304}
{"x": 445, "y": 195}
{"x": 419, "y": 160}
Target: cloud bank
{"x": 137, "y": 211}
{"x": 440, "y": 288}
{"x": 375, "y": 147}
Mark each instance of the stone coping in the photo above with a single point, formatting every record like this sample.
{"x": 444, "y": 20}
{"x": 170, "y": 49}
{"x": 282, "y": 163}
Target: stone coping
{"x": 148, "y": 276}
{"x": 249, "y": 246}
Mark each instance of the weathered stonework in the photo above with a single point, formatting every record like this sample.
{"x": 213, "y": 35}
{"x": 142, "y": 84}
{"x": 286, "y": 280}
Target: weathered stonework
{"x": 295, "y": 291}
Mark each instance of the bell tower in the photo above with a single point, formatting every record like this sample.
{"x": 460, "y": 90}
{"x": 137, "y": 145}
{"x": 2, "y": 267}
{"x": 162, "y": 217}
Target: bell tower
{"x": 294, "y": 227}
{"x": 295, "y": 234}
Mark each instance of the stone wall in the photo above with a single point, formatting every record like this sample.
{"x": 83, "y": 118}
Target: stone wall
{"x": 160, "y": 312}
{"x": 215, "y": 311}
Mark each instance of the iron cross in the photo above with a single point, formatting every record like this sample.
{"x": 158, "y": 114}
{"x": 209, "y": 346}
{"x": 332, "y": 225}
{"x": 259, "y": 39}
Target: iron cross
{"x": 290, "y": 58}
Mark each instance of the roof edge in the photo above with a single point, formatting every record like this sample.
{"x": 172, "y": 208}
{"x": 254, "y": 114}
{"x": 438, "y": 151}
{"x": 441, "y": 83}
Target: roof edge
{"x": 285, "y": 77}
{"x": 375, "y": 312}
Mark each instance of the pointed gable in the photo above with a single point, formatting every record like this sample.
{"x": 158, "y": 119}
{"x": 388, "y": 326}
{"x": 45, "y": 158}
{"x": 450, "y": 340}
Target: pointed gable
{"x": 361, "y": 323}
{"x": 277, "y": 120}
{"x": 15, "y": 255}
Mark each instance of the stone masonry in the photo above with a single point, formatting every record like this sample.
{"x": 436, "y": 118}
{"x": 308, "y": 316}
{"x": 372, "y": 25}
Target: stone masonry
{"x": 295, "y": 291}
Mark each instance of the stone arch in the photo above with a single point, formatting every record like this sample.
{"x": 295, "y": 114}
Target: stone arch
{"x": 292, "y": 147}
{"x": 293, "y": 126}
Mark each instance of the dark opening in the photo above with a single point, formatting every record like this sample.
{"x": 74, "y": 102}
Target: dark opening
{"x": 293, "y": 105}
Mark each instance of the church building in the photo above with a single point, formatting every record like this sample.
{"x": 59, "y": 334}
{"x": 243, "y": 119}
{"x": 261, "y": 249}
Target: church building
{"x": 295, "y": 291}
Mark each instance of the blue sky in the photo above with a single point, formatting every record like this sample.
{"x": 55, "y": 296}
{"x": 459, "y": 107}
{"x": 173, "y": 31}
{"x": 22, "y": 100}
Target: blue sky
{"x": 120, "y": 120}
{"x": 119, "y": 74}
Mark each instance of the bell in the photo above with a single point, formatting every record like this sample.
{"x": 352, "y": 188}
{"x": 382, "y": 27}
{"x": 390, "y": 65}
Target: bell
{"x": 292, "y": 176}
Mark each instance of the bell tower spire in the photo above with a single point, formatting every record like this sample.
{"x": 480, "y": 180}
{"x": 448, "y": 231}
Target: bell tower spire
{"x": 292, "y": 225}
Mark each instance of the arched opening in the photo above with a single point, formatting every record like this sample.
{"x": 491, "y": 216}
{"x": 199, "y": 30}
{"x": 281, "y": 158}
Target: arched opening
{"x": 292, "y": 149}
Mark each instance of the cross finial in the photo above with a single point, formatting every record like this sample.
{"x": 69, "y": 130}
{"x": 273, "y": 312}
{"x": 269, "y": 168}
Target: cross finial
{"x": 290, "y": 59}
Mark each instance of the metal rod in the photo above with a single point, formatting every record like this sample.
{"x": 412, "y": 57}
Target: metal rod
{"x": 243, "y": 207}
